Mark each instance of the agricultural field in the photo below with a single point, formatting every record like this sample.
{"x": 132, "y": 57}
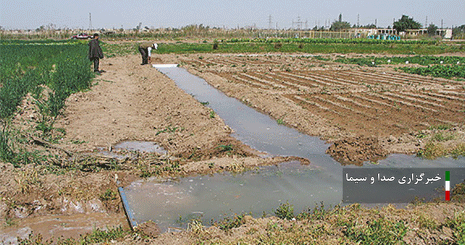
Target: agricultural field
{"x": 60, "y": 124}
{"x": 323, "y": 96}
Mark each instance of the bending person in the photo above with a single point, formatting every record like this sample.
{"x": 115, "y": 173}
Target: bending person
{"x": 145, "y": 50}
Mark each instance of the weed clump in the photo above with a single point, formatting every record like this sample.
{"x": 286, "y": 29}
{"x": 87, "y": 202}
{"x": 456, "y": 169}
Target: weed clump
{"x": 380, "y": 231}
{"x": 285, "y": 211}
{"x": 227, "y": 223}
{"x": 433, "y": 150}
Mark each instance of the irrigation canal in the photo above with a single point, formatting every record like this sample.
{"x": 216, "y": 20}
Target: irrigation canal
{"x": 174, "y": 202}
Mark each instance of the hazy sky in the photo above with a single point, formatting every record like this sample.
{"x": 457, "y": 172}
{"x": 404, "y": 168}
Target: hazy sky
{"x": 24, "y": 14}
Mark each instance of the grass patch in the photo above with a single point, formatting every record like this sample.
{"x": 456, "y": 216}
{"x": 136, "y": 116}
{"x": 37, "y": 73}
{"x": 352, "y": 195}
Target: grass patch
{"x": 168, "y": 168}
{"x": 433, "y": 150}
{"x": 425, "y": 222}
{"x": 226, "y": 148}
{"x": 440, "y": 127}
{"x": 440, "y": 137}
{"x": 380, "y": 231}
{"x": 227, "y": 223}
{"x": 120, "y": 49}
{"x": 457, "y": 151}
{"x": 285, "y": 211}
{"x": 457, "y": 224}
{"x": 96, "y": 236}
{"x": 108, "y": 195}
{"x": 168, "y": 129}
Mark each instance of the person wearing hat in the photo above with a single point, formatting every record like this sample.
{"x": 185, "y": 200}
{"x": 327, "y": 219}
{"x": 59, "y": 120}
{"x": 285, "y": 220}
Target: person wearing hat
{"x": 95, "y": 52}
{"x": 145, "y": 50}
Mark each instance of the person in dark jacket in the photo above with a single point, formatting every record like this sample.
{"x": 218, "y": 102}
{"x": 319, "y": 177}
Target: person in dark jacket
{"x": 145, "y": 50}
{"x": 95, "y": 52}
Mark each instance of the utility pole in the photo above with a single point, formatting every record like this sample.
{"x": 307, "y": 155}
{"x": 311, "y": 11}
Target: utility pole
{"x": 358, "y": 20}
{"x": 426, "y": 22}
{"x": 442, "y": 23}
{"x": 376, "y": 23}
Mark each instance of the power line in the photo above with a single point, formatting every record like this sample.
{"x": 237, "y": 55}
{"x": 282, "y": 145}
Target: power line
{"x": 298, "y": 23}
{"x": 90, "y": 21}
{"x": 270, "y": 23}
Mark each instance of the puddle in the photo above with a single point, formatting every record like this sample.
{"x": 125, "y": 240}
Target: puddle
{"x": 171, "y": 203}
{"x": 141, "y": 146}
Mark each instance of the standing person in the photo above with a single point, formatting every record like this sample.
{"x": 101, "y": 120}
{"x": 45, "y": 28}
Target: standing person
{"x": 145, "y": 50}
{"x": 95, "y": 52}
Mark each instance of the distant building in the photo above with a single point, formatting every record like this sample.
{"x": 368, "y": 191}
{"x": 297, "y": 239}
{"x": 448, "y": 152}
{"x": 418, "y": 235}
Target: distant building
{"x": 443, "y": 32}
{"x": 375, "y": 31}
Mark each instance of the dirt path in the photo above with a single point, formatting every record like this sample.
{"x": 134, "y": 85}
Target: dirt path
{"x": 134, "y": 102}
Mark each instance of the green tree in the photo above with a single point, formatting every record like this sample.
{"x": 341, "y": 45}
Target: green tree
{"x": 340, "y": 25}
{"x": 405, "y": 23}
{"x": 432, "y": 28}
{"x": 370, "y": 26}
{"x": 458, "y": 31}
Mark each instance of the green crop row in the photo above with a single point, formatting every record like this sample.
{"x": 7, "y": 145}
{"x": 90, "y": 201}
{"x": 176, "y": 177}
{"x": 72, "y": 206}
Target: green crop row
{"x": 421, "y": 60}
{"x": 372, "y": 47}
{"x": 445, "y": 71}
{"x": 58, "y": 67}
{"x": 330, "y": 40}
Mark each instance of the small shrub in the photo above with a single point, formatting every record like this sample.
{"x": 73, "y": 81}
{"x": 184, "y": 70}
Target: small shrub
{"x": 285, "y": 211}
